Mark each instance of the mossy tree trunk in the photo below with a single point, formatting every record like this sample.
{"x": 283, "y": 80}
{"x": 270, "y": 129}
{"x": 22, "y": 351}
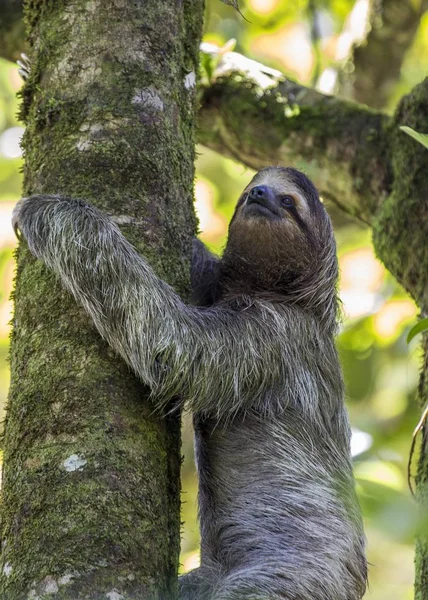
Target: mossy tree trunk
{"x": 90, "y": 505}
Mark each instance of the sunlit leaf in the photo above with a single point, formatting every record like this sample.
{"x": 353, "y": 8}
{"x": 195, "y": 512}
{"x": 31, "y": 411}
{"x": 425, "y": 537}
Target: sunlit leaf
{"x": 422, "y": 138}
{"x": 418, "y": 328}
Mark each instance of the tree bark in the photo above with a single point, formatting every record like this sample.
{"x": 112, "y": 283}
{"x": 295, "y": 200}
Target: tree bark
{"x": 421, "y": 558}
{"x": 400, "y": 234}
{"x": 90, "y": 505}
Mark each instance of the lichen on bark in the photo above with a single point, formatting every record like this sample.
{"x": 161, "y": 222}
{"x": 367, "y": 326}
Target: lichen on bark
{"x": 91, "y": 475}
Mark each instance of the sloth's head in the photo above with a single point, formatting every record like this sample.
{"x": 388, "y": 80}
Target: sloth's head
{"x": 281, "y": 240}
{"x": 284, "y": 197}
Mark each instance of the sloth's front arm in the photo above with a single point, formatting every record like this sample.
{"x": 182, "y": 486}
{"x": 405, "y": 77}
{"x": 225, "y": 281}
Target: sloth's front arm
{"x": 216, "y": 359}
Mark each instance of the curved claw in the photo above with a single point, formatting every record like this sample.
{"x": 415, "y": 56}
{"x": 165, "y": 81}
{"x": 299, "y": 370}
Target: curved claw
{"x": 23, "y": 73}
{"x": 24, "y": 66}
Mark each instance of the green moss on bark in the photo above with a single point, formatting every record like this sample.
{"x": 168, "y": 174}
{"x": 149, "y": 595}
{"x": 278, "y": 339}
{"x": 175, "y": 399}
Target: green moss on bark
{"x": 401, "y": 227}
{"x": 91, "y": 474}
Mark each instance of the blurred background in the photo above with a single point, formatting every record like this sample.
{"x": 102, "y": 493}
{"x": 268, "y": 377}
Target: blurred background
{"x": 309, "y": 41}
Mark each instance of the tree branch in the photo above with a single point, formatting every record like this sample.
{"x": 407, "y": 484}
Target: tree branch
{"x": 255, "y": 115}
{"x": 376, "y": 57}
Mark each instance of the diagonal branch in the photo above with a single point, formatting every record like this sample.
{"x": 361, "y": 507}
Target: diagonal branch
{"x": 255, "y": 115}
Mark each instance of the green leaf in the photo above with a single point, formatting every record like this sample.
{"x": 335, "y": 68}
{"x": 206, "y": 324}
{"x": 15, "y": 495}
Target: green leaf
{"x": 233, "y": 3}
{"x": 422, "y": 138}
{"x": 418, "y": 328}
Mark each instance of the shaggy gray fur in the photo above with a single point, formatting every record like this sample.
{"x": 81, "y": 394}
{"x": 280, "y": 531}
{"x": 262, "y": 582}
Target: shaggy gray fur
{"x": 278, "y": 512}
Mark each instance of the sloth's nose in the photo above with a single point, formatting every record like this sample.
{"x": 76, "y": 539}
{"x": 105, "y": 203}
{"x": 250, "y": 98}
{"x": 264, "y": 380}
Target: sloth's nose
{"x": 260, "y": 192}
{"x": 262, "y": 196}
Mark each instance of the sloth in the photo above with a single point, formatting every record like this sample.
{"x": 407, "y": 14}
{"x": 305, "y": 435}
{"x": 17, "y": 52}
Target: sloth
{"x": 254, "y": 359}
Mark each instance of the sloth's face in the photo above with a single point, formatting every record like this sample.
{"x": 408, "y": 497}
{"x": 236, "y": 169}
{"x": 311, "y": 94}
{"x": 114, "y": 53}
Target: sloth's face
{"x": 279, "y": 230}
{"x": 282, "y": 196}
{"x": 280, "y": 236}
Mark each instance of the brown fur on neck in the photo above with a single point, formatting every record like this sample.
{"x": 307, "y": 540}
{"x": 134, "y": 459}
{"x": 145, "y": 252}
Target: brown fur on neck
{"x": 261, "y": 259}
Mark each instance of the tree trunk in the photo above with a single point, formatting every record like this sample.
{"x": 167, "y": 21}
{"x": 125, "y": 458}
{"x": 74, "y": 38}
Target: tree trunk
{"x": 421, "y": 559}
{"x": 91, "y": 475}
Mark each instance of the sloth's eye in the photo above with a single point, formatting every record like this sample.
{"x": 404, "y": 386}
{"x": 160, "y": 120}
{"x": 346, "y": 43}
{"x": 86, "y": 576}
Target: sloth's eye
{"x": 287, "y": 201}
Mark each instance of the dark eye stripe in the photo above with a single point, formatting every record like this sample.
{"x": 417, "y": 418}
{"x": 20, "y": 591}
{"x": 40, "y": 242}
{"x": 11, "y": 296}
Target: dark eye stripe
{"x": 300, "y": 222}
{"x": 242, "y": 199}
{"x": 303, "y": 226}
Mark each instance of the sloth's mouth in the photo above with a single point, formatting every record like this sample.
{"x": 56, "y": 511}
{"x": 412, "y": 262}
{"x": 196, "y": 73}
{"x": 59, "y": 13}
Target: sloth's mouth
{"x": 262, "y": 206}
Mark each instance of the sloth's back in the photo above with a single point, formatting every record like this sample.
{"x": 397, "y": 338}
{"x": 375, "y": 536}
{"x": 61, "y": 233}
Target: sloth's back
{"x": 278, "y": 506}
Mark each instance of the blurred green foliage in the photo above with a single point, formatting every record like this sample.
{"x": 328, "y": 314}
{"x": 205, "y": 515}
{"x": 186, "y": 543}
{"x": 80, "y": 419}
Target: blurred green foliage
{"x": 381, "y": 370}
